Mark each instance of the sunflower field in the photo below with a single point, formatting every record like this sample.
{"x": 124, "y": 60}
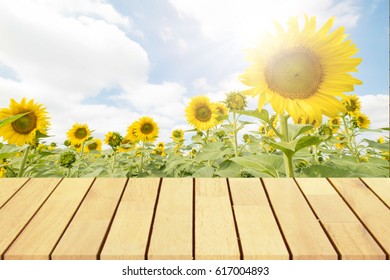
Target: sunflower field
{"x": 314, "y": 128}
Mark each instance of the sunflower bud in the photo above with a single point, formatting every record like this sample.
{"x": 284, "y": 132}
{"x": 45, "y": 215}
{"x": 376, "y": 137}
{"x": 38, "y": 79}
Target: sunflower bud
{"x": 67, "y": 159}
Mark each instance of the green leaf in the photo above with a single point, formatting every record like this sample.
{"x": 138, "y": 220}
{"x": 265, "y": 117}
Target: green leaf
{"x": 362, "y": 169}
{"x": 204, "y": 172}
{"x": 298, "y": 129}
{"x": 376, "y": 145}
{"x": 262, "y": 115}
{"x": 306, "y": 141}
{"x": 268, "y": 164}
{"x": 8, "y": 151}
{"x": 41, "y": 135}
{"x": 96, "y": 172}
{"x": 326, "y": 171}
{"x": 9, "y": 120}
{"x": 228, "y": 168}
{"x": 212, "y": 151}
{"x": 286, "y": 147}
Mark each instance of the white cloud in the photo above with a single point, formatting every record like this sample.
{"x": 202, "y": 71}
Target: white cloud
{"x": 164, "y": 102}
{"x": 166, "y": 34}
{"x": 246, "y": 19}
{"x": 66, "y": 52}
{"x": 376, "y": 107}
{"x": 75, "y": 8}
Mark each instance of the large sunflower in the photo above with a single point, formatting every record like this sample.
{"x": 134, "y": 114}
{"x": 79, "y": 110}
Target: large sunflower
{"x": 201, "y": 113}
{"x": 78, "y": 134}
{"x": 23, "y": 130}
{"x": 146, "y": 129}
{"x": 303, "y": 72}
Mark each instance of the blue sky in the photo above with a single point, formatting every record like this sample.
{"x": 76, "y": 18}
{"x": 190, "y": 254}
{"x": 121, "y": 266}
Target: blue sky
{"x": 107, "y": 63}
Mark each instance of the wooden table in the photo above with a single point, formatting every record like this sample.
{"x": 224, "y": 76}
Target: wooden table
{"x": 186, "y": 218}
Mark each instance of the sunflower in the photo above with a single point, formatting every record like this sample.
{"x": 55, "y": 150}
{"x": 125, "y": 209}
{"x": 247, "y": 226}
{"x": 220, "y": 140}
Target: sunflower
{"x": 221, "y": 108}
{"x": 146, "y": 129}
{"x": 160, "y": 149}
{"x": 131, "y": 133}
{"x": 3, "y": 171}
{"x": 177, "y": 135}
{"x": 274, "y": 120}
{"x": 235, "y": 100}
{"x": 126, "y": 145}
{"x": 94, "y": 145}
{"x": 362, "y": 121}
{"x": 303, "y": 72}
{"x": 340, "y": 144}
{"x": 201, "y": 113}
{"x": 381, "y": 140}
{"x": 352, "y": 104}
{"x": 114, "y": 139}
{"x": 334, "y": 123}
{"x": 23, "y": 130}
{"x": 78, "y": 134}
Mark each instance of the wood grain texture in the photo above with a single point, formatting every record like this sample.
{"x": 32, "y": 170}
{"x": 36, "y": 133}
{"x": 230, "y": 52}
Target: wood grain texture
{"x": 8, "y": 187}
{"x": 129, "y": 232}
{"x": 172, "y": 229}
{"x": 381, "y": 187}
{"x": 111, "y": 219}
{"x": 302, "y": 231}
{"x": 40, "y": 236}
{"x": 352, "y": 240}
{"x": 86, "y": 232}
{"x": 259, "y": 233}
{"x": 15, "y": 214}
{"x": 371, "y": 211}
{"x": 215, "y": 234}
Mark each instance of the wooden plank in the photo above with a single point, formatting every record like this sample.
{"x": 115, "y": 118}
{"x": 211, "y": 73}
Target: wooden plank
{"x": 85, "y": 234}
{"x": 352, "y": 240}
{"x": 172, "y": 229}
{"x": 259, "y": 233}
{"x": 43, "y": 232}
{"x": 8, "y": 187}
{"x": 371, "y": 211}
{"x": 302, "y": 231}
{"x": 381, "y": 187}
{"x": 215, "y": 234}
{"x": 129, "y": 232}
{"x": 15, "y": 214}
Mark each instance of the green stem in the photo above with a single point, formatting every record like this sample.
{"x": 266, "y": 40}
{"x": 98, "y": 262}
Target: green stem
{"x": 25, "y": 156}
{"x": 113, "y": 163}
{"x": 235, "y": 134}
{"x": 349, "y": 139}
{"x": 69, "y": 171}
{"x": 315, "y": 153}
{"x": 82, "y": 150}
{"x": 142, "y": 159}
{"x": 287, "y": 158}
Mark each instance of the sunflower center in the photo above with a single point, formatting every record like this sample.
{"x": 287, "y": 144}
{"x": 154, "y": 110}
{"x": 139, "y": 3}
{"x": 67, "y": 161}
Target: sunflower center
{"x": 81, "y": 133}
{"x": 295, "y": 73}
{"x": 203, "y": 113}
{"x": 92, "y": 146}
{"x": 147, "y": 128}
{"x": 25, "y": 124}
{"x": 351, "y": 106}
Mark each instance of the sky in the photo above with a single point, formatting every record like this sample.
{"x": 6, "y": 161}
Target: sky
{"x": 107, "y": 63}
